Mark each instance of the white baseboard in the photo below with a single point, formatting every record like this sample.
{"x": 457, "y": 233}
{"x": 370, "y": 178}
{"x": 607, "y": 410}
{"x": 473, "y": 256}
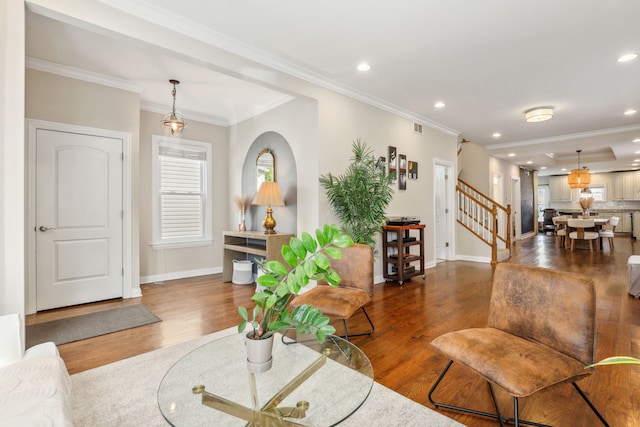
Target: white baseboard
{"x": 179, "y": 275}
{"x": 484, "y": 260}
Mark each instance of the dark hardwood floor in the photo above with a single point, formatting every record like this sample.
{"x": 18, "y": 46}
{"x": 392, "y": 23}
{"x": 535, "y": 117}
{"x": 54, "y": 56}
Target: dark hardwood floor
{"x": 454, "y": 295}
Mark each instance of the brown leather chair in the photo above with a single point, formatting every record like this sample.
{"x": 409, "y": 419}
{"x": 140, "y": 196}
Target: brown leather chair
{"x": 541, "y": 332}
{"x": 355, "y": 290}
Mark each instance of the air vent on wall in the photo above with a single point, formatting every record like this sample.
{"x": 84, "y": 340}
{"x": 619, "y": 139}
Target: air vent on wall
{"x": 417, "y": 127}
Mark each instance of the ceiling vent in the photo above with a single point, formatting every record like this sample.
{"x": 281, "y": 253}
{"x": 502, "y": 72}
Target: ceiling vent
{"x": 417, "y": 127}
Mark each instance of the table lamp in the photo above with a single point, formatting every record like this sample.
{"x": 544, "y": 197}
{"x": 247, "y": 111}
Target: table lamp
{"x": 268, "y": 195}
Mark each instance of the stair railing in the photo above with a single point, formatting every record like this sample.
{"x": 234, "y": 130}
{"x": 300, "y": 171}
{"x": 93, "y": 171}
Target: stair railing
{"x": 484, "y": 217}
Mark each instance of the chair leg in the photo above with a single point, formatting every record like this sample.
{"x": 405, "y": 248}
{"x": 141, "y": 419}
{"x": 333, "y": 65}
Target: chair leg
{"x": 346, "y": 333}
{"x": 498, "y": 416}
{"x": 593, "y": 408}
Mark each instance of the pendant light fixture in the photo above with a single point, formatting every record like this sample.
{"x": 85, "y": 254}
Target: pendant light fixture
{"x": 172, "y": 123}
{"x": 579, "y": 178}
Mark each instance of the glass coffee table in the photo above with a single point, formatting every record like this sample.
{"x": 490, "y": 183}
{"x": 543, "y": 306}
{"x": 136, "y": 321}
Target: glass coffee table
{"x": 309, "y": 384}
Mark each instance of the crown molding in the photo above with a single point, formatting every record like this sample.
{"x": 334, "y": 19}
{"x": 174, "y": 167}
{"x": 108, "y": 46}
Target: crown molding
{"x": 80, "y": 74}
{"x": 191, "y": 115}
{"x": 560, "y": 138}
{"x": 147, "y": 11}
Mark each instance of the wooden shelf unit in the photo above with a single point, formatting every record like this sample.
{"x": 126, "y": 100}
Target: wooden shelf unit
{"x": 398, "y": 257}
{"x": 241, "y": 245}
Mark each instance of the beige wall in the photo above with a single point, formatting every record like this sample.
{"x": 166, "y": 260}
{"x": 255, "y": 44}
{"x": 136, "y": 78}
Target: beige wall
{"x": 60, "y": 99}
{"x": 165, "y": 263}
{"x": 339, "y": 121}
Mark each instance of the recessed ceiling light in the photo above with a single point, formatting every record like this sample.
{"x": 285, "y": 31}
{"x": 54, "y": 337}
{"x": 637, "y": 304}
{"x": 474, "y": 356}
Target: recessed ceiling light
{"x": 512, "y": 154}
{"x": 439, "y": 104}
{"x": 636, "y": 140}
{"x": 543, "y": 167}
{"x": 529, "y": 162}
{"x": 497, "y": 135}
{"x": 563, "y": 169}
{"x": 637, "y": 152}
{"x": 630, "y": 112}
{"x": 539, "y": 114}
{"x": 364, "y": 67}
{"x": 627, "y": 57}
{"x": 634, "y": 164}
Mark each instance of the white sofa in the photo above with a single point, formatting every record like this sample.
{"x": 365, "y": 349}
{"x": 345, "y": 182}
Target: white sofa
{"x": 35, "y": 388}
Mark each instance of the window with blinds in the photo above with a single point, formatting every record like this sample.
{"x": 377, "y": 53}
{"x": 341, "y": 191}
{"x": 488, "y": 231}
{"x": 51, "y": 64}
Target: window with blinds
{"x": 180, "y": 193}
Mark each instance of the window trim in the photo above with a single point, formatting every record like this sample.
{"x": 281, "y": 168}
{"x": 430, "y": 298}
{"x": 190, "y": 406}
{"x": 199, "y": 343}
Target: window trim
{"x": 207, "y": 206}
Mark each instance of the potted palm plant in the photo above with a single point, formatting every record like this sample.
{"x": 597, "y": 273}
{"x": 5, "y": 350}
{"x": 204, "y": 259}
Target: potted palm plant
{"x": 308, "y": 259}
{"x": 360, "y": 196}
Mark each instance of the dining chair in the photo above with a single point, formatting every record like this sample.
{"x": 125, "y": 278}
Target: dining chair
{"x": 355, "y": 269}
{"x": 608, "y": 230}
{"x": 561, "y": 229}
{"x": 580, "y": 234}
{"x": 540, "y": 333}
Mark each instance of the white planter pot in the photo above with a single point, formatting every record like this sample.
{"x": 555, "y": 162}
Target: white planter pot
{"x": 259, "y": 357}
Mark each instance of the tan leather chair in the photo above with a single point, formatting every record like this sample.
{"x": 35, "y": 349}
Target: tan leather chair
{"x": 580, "y": 233}
{"x": 540, "y": 333}
{"x": 355, "y": 289}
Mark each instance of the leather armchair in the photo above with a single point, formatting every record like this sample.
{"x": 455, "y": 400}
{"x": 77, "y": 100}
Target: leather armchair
{"x": 355, "y": 289}
{"x": 540, "y": 333}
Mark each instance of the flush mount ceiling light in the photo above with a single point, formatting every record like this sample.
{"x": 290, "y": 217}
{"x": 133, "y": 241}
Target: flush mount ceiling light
{"x": 172, "y": 123}
{"x": 539, "y": 114}
{"x": 579, "y": 178}
{"x": 439, "y": 104}
{"x": 364, "y": 67}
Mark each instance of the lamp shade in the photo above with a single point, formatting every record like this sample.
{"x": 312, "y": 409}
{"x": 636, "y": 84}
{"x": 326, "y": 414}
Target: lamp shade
{"x": 268, "y": 195}
{"x": 579, "y": 178}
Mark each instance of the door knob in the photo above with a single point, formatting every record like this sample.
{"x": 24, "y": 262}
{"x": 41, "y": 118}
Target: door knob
{"x": 43, "y": 228}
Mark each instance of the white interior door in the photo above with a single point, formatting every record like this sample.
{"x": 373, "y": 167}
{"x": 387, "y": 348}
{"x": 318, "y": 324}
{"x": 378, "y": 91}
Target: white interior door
{"x": 79, "y": 218}
{"x": 442, "y": 211}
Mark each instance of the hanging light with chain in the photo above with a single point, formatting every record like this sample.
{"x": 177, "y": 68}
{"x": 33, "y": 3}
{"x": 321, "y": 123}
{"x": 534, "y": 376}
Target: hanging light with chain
{"x": 173, "y": 123}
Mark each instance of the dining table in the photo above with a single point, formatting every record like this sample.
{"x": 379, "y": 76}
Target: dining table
{"x": 598, "y": 222}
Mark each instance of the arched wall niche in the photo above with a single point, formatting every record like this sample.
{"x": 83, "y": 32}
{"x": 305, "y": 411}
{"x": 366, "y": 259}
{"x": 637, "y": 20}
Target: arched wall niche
{"x": 286, "y": 173}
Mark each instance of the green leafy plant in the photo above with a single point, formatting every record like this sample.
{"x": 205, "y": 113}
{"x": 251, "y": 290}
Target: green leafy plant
{"x": 360, "y": 196}
{"x": 309, "y": 259}
{"x": 615, "y": 360}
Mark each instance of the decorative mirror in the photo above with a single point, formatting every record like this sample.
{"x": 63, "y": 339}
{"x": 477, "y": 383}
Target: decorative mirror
{"x": 265, "y": 167}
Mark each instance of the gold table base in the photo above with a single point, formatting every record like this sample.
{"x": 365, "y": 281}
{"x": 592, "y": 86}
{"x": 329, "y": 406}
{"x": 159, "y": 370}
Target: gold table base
{"x": 270, "y": 414}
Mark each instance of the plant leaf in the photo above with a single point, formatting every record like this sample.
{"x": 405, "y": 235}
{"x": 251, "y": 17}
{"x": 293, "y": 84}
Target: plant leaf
{"x": 267, "y": 280}
{"x": 243, "y": 312}
{"x": 334, "y": 253}
{"x": 309, "y": 242}
{"x": 276, "y": 268}
{"x": 298, "y": 247}
{"x": 288, "y": 255}
{"x": 616, "y": 360}
{"x": 321, "y": 261}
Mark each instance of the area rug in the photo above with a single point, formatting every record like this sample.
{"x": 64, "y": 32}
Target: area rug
{"x": 90, "y": 325}
{"x": 124, "y": 394}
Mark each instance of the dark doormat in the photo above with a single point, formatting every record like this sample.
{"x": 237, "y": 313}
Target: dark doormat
{"x": 90, "y": 325}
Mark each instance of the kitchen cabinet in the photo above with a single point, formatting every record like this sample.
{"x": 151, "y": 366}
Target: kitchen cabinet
{"x": 623, "y": 186}
{"x": 559, "y": 189}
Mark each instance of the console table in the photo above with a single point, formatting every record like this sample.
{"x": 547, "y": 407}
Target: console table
{"x": 240, "y": 244}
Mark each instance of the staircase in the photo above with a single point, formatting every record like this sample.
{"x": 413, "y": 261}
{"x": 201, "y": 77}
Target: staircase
{"x": 486, "y": 219}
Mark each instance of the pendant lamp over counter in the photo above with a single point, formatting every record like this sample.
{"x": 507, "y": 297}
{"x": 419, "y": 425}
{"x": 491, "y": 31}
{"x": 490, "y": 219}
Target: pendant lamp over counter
{"x": 580, "y": 177}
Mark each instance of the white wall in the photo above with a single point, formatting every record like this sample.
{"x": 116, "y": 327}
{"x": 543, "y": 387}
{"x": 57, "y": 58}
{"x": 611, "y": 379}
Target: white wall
{"x": 12, "y": 142}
